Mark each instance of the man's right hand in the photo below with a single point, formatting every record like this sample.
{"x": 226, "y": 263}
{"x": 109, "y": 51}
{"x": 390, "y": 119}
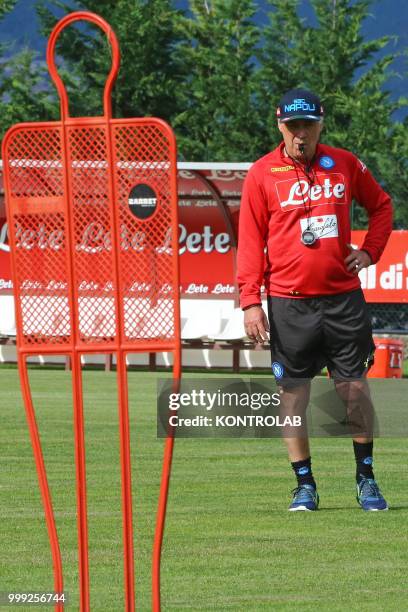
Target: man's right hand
{"x": 256, "y": 324}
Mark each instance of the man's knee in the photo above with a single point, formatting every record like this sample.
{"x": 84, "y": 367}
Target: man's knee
{"x": 353, "y": 390}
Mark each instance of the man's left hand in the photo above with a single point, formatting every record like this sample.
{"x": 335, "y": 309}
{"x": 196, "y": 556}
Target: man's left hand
{"x": 357, "y": 260}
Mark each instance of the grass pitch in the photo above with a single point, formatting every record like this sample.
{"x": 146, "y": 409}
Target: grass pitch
{"x": 230, "y": 543}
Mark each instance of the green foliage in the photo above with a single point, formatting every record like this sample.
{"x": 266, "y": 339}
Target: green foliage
{"x": 6, "y": 6}
{"x": 148, "y": 75}
{"x": 281, "y": 61}
{"x": 331, "y": 59}
{"x": 24, "y": 95}
{"x": 217, "y": 118}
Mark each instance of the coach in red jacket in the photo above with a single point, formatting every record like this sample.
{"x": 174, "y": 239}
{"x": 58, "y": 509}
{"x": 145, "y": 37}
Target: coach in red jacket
{"x": 294, "y": 238}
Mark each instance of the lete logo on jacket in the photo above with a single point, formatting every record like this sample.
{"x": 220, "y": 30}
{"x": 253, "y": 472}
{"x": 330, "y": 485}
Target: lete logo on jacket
{"x": 329, "y": 189}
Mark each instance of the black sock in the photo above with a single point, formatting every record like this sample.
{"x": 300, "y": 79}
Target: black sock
{"x": 364, "y": 460}
{"x": 303, "y": 472}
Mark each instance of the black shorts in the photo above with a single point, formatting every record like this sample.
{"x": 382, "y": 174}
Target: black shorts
{"x": 309, "y": 333}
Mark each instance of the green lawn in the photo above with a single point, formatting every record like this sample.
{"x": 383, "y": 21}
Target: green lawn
{"x": 229, "y": 543}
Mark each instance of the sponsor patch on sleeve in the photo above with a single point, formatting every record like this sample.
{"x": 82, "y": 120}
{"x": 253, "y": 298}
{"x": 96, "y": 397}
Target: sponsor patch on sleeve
{"x": 282, "y": 168}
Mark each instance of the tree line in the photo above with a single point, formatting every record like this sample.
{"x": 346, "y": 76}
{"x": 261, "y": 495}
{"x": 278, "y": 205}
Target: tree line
{"x": 216, "y": 75}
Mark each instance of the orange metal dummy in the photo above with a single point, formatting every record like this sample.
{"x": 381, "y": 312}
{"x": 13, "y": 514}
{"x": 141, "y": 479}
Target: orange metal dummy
{"x": 92, "y": 213}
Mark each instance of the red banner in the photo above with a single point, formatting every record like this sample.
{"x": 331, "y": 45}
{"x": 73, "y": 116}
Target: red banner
{"x": 386, "y": 281}
{"x": 206, "y": 244}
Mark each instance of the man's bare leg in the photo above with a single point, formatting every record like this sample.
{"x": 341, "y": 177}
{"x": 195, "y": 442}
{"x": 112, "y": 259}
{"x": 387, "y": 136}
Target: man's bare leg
{"x": 294, "y": 402}
{"x": 360, "y": 410}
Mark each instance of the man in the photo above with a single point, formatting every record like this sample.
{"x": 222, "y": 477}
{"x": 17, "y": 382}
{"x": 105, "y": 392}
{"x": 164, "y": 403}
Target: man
{"x": 296, "y": 203}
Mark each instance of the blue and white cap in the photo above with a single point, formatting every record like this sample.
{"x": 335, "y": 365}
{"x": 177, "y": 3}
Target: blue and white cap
{"x": 299, "y": 104}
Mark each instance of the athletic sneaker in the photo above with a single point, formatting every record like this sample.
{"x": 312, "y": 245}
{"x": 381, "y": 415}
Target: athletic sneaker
{"x": 369, "y": 496}
{"x": 305, "y": 497}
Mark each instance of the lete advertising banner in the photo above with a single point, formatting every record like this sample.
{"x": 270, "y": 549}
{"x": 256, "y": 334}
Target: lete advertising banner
{"x": 207, "y": 254}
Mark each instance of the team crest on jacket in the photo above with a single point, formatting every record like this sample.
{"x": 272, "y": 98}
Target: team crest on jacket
{"x": 328, "y": 189}
{"x": 326, "y": 162}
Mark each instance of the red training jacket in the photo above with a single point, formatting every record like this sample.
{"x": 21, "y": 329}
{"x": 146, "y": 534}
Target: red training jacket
{"x": 278, "y": 204}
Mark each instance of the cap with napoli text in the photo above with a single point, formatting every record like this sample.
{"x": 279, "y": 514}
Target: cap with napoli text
{"x": 299, "y": 104}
